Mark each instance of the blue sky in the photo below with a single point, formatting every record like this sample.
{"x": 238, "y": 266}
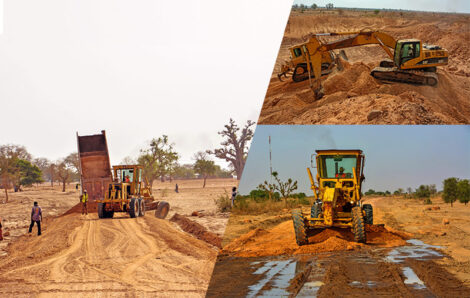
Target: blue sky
{"x": 423, "y": 5}
{"x": 396, "y": 155}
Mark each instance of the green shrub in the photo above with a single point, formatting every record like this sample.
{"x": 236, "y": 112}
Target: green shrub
{"x": 223, "y": 203}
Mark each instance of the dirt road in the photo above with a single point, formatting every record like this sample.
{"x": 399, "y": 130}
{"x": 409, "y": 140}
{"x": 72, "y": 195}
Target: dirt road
{"x": 352, "y": 95}
{"x": 416, "y": 254}
{"x": 84, "y": 256}
{"x": 87, "y": 256}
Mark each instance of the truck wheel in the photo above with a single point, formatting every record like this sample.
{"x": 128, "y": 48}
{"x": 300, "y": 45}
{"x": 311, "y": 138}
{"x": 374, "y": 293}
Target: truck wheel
{"x": 142, "y": 207}
{"x": 162, "y": 210}
{"x": 100, "y": 210}
{"x": 316, "y": 210}
{"x": 299, "y": 227}
{"x": 133, "y": 208}
{"x": 358, "y": 226}
{"x": 369, "y": 218}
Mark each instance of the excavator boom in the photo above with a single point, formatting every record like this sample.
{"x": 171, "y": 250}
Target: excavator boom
{"x": 410, "y": 61}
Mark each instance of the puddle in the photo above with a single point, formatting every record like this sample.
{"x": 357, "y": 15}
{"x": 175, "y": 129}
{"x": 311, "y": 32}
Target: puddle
{"x": 310, "y": 289}
{"x": 277, "y": 275}
{"x": 368, "y": 284}
{"x": 417, "y": 250}
{"x": 412, "y": 279}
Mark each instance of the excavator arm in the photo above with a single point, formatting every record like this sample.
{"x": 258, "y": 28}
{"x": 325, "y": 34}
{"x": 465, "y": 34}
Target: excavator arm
{"x": 313, "y": 49}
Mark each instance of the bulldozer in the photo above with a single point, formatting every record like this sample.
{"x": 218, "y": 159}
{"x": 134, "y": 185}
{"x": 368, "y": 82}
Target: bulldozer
{"x": 337, "y": 195}
{"x": 127, "y": 194}
{"x": 116, "y": 190}
{"x": 410, "y": 60}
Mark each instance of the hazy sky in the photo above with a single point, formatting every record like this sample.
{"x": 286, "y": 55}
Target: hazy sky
{"x": 137, "y": 69}
{"x": 423, "y": 5}
{"x": 395, "y": 156}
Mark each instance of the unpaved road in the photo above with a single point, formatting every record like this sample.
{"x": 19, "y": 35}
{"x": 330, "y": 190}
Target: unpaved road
{"x": 82, "y": 255}
{"x": 434, "y": 262}
{"x": 352, "y": 94}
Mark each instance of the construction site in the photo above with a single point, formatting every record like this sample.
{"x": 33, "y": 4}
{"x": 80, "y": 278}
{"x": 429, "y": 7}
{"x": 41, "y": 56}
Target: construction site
{"x": 352, "y": 92}
{"x": 340, "y": 242}
{"x": 135, "y": 240}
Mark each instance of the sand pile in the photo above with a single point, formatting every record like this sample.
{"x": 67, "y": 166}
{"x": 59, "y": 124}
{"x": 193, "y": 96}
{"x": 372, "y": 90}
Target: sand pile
{"x": 280, "y": 240}
{"x": 352, "y": 96}
{"x": 196, "y": 229}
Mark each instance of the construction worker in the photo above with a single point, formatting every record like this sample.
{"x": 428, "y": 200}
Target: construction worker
{"x": 1, "y": 232}
{"x": 84, "y": 200}
{"x": 176, "y": 188}
{"x": 36, "y": 217}
{"x": 127, "y": 179}
{"x": 234, "y": 195}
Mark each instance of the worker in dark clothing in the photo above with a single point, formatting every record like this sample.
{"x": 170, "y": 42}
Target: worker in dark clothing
{"x": 234, "y": 195}
{"x": 176, "y": 188}
{"x": 36, "y": 217}
{"x": 1, "y": 232}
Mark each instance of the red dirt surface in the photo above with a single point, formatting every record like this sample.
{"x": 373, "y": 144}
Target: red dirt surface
{"x": 280, "y": 240}
{"x": 196, "y": 229}
{"x": 352, "y": 94}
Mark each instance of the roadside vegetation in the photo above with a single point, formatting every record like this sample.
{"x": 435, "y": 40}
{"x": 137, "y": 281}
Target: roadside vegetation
{"x": 453, "y": 189}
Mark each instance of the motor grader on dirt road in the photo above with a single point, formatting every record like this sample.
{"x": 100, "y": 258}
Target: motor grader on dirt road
{"x": 119, "y": 190}
{"x": 337, "y": 196}
{"x": 410, "y": 62}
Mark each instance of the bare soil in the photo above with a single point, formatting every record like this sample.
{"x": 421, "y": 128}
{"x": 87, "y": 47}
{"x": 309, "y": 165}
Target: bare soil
{"x": 86, "y": 256}
{"x": 352, "y": 94}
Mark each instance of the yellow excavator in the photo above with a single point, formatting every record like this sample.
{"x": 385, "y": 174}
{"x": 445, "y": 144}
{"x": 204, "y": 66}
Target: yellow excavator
{"x": 411, "y": 61}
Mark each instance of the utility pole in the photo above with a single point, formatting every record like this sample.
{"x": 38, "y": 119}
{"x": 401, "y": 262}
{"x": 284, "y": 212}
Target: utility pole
{"x": 270, "y": 161}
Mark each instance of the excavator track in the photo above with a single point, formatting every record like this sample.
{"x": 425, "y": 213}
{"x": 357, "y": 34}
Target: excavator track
{"x": 405, "y": 76}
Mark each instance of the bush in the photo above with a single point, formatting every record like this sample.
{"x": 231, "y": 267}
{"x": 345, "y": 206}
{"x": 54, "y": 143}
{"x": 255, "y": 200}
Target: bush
{"x": 427, "y": 201}
{"x": 223, "y": 203}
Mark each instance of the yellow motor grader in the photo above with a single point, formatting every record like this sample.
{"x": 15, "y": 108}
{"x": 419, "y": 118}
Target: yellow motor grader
{"x": 127, "y": 194}
{"x": 337, "y": 196}
{"x": 410, "y": 60}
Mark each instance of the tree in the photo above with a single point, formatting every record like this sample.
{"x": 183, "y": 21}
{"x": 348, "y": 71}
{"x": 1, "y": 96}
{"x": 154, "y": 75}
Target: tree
{"x": 450, "y": 192}
{"x": 128, "y": 161}
{"x": 370, "y": 192}
{"x": 44, "y": 165}
{"x": 29, "y": 173}
{"x": 423, "y": 191}
{"x": 314, "y": 6}
{"x": 64, "y": 172}
{"x": 203, "y": 166}
{"x": 285, "y": 188}
{"x": 432, "y": 189}
{"x": 329, "y": 6}
{"x": 185, "y": 171}
{"x": 463, "y": 190}
{"x": 9, "y": 171}
{"x": 159, "y": 160}
{"x": 234, "y": 149}
{"x": 268, "y": 188}
{"x": 73, "y": 162}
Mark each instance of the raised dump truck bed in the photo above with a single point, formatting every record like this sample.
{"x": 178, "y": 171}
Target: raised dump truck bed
{"x": 95, "y": 167}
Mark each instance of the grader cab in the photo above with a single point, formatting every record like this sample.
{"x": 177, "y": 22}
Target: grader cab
{"x": 127, "y": 194}
{"x": 337, "y": 193}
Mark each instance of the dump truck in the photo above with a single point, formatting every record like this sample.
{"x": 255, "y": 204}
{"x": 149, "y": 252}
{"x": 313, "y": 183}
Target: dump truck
{"x": 118, "y": 190}
{"x": 410, "y": 60}
{"x": 337, "y": 194}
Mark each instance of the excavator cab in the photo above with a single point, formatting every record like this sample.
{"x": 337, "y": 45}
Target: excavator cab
{"x": 406, "y": 50}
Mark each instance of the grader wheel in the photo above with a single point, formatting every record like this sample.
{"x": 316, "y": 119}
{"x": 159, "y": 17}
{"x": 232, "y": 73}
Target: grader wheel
{"x": 134, "y": 208}
{"x": 142, "y": 207}
{"x": 369, "y": 218}
{"x": 299, "y": 227}
{"x": 162, "y": 210}
{"x": 358, "y": 225}
{"x": 100, "y": 210}
{"x": 315, "y": 211}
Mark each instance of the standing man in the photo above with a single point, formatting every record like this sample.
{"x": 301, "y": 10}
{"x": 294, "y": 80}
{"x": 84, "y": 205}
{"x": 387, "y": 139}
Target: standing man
{"x": 176, "y": 188}
{"x": 1, "y": 232}
{"x": 84, "y": 200}
{"x": 234, "y": 195}
{"x": 36, "y": 217}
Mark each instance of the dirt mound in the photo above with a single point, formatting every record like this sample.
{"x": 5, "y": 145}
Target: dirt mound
{"x": 92, "y": 207}
{"x": 196, "y": 229}
{"x": 280, "y": 240}
{"x": 352, "y": 94}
